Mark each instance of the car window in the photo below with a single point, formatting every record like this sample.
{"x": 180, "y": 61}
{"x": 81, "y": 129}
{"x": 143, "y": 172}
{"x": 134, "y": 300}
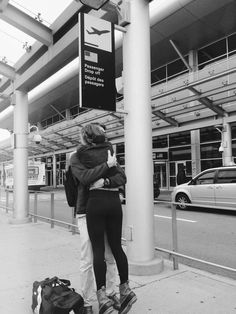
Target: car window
{"x": 226, "y": 176}
{"x": 206, "y": 178}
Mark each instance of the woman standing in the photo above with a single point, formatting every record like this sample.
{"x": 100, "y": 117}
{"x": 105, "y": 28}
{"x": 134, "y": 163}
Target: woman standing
{"x": 104, "y": 214}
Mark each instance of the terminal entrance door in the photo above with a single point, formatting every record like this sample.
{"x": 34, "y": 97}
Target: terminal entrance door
{"x": 160, "y": 174}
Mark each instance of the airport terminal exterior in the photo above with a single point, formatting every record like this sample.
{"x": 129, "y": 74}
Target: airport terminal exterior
{"x": 193, "y": 77}
{"x": 192, "y": 92}
{"x": 175, "y": 69}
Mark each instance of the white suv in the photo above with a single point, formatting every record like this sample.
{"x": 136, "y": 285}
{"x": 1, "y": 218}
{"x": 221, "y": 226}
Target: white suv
{"x": 211, "y": 187}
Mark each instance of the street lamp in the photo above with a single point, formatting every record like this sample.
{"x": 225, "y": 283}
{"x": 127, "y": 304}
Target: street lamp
{"x": 94, "y": 4}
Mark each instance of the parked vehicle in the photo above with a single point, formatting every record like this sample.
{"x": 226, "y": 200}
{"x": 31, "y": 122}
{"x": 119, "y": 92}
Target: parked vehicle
{"x": 36, "y": 175}
{"x": 211, "y": 187}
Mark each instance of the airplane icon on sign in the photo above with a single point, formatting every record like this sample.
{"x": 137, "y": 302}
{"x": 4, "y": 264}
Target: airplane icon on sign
{"x": 97, "y": 31}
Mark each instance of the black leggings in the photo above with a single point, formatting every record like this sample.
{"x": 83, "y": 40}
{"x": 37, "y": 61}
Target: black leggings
{"x": 104, "y": 215}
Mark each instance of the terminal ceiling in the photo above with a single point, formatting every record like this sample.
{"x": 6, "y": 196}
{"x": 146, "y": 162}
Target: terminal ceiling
{"x": 189, "y": 24}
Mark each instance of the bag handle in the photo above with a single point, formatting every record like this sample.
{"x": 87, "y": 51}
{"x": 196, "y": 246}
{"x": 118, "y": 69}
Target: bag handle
{"x": 56, "y": 280}
{"x": 64, "y": 282}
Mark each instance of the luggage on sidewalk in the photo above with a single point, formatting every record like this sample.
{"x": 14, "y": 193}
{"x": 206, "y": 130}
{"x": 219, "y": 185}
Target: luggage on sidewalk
{"x": 71, "y": 187}
{"x": 54, "y": 296}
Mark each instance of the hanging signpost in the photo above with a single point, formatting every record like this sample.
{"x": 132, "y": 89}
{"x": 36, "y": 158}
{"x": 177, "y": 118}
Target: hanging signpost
{"x": 97, "y": 63}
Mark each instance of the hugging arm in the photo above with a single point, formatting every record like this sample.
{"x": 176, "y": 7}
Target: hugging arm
{"x": 84, "y": 175}
{"x": 88, "y": 176}
{"x": 115, "y": 180}
{"x": 118, "y": 179}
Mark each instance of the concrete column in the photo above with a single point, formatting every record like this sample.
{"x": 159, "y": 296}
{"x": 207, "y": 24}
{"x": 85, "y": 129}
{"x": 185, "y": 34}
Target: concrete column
{"x": 195, "y": 152}
{"x": 138, "y": 143}
{"x": 67, "y": 159}
{"x": 227, "y": 145}
{"x": 21, "y": 206}
{"x": 195, "y": 134}
{"x": 68, "y": 114}
{"x": 193, "y": 62}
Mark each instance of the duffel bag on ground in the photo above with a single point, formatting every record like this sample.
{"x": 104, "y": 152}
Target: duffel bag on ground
{"x": 54, "y": 296}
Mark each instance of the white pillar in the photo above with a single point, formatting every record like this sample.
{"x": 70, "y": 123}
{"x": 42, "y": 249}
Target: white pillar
{"x": 227, "y": 145}
{"x": 138, "y": 142}
{"x": 195, "y": 152}
{"x": 21, "y": 206}
{"x": 195, "y": 134}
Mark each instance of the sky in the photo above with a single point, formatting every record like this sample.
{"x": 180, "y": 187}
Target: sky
{"x": 12, "y": 40}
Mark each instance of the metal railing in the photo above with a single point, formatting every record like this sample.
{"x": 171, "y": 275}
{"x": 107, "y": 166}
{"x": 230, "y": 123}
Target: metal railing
{"x": 174, "y": 254}
{"x": 7, "y": 207}
{"x": 34, "y": 212}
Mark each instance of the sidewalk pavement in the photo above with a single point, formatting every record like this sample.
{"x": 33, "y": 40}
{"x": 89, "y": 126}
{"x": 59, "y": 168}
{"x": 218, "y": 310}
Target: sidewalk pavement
{"x": 34, "y": 251}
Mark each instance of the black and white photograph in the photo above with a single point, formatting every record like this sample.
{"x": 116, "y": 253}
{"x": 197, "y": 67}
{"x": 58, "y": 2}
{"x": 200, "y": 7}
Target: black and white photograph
{"x": 118, "y": 157}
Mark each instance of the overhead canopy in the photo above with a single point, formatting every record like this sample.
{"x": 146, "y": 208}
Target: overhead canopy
{"x": 183, "y": 103}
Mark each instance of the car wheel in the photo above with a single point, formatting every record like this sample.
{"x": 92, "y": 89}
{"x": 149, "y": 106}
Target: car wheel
{"x": 183, "y": 199}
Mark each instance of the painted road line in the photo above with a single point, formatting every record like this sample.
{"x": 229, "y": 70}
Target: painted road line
{"x": 179, "y": 219}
